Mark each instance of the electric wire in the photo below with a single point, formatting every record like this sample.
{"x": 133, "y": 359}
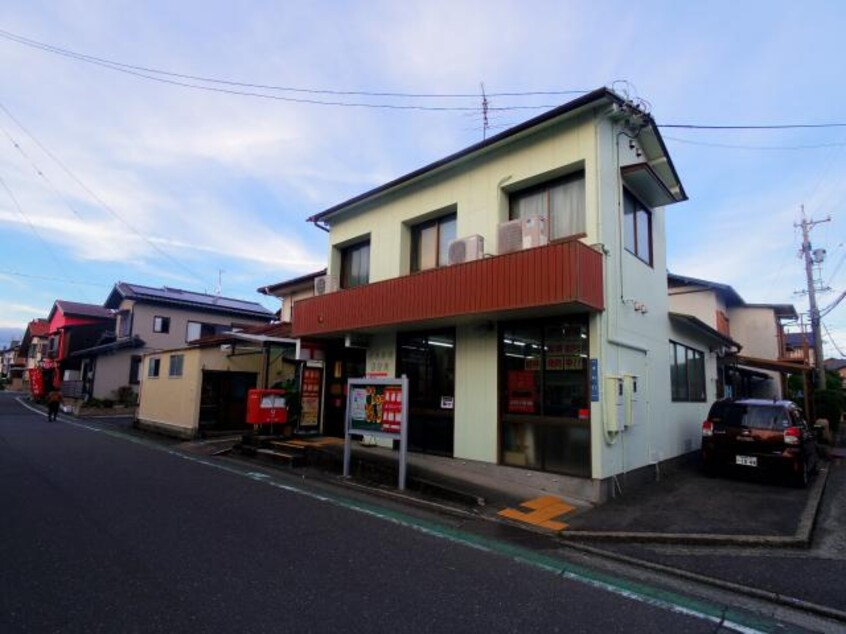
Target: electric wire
{"x": 35, "y": 231}
{"x": 41, "y": 173}
{"x": 99, "y": 200}
{"x": 55, "y": 279}
{"x": 734, "y": 146}
{"x": 177, "y": 79}
{"x": 831, "y": 340}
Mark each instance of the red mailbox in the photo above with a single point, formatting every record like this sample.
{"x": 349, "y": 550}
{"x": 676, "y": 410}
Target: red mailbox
{"x": 266, "y": 407}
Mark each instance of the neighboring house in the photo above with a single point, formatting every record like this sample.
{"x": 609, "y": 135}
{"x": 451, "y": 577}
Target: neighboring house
{"x": 838, "y": 366}
{"x": 202, "y": 387}
{"x": 520, "y": 284}
{"x": 799, "y": 346}
{"x": 34, "y": 348}
{"x": 290, "y": 291}
{"x": 345, "y": 357}
{"x": 759, "y": 365}
{"x": 150, "y": 319}
{"x": 72, "y": 326}
{"x": 12, "y": 365}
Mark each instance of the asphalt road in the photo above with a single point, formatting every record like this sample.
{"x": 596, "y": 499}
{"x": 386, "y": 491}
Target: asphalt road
{"x": 104, "y": 532}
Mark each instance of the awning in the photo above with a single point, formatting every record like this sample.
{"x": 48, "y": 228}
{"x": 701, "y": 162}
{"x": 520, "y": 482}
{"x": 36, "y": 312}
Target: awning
{"x": 785, "y": 367}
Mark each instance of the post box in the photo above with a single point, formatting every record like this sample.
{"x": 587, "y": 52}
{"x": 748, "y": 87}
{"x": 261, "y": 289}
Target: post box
{"x": 266, "y": 407}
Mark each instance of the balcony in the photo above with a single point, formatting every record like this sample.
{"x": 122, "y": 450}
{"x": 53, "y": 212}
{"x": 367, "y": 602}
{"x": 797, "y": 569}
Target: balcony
{"x": 529, "y": 282}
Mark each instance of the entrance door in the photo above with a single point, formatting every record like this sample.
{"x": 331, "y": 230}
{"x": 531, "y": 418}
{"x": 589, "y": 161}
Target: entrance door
{"x": 223, "y": 400}
{"x": 428, "y": 360}
{"x": 341, "y": 364}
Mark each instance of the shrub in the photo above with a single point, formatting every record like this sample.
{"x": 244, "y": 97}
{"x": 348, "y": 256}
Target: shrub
{"x": 829, "y": 404}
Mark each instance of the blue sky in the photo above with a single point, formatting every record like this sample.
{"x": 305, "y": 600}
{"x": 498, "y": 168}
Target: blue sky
{"x": 188, "y": 183}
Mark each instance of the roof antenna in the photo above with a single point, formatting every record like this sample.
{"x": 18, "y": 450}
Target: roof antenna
{"x": 219, "y": 288}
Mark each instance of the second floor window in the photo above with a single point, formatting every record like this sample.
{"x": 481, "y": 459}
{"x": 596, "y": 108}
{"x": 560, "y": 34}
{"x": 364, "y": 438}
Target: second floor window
{"x": 430, "y": 243}
{"x": 161, "y": 324}
{"x": 124, "y": 323}
{"x": 197, "y": 330}
{"x": 637, "y": 228}
{"x": 355, "y": 265}
{"x": 561, "y": 202}
{"x": 154, "y": 364}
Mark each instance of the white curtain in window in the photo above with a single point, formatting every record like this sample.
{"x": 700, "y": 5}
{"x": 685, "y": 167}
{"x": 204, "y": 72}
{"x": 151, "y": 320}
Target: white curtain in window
{"x": 567, "y": 209}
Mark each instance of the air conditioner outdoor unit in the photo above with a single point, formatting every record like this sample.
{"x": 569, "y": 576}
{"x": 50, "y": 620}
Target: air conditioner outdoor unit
{"x": 466, "y": 249}
{"x": 510, "y": 236}
{"x": 522, "y": 233}
{"x": 325, "y": 284}
{"x": 534, "y": 232}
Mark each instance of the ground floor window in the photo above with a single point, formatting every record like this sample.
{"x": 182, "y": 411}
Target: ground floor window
{"x": 545, "y": 406}
{"x": 687, "y": 373}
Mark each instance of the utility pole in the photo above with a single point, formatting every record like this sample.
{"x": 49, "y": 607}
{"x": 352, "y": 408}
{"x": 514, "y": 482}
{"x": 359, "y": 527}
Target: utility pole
{"x": 813, "y": 257}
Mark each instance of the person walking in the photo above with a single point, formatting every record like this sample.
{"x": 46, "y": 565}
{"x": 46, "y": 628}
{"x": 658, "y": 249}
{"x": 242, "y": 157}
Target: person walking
{"x": 54, "y": 400}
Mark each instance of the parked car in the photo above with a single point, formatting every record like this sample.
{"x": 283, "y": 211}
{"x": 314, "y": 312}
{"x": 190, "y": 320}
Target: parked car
{"x": 759, "y": 435}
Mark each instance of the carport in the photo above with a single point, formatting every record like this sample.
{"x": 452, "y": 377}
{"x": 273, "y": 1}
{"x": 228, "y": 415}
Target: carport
{"x": 784, "y": 368}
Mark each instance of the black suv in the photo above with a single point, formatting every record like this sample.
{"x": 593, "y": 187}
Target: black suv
{"x": 759, "y": 435}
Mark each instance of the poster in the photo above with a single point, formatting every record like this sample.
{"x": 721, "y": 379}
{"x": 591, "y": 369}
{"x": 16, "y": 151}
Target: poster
{"x": 310, "y": 397}
{"x": 376, "y": 408}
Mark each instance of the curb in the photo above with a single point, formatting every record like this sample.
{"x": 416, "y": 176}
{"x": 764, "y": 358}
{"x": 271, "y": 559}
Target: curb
{"x": 772, "y": 597}
{"x": 800, "y": 539}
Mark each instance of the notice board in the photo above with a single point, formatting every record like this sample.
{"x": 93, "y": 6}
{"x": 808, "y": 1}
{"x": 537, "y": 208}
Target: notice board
{"x": 377, "y": 407}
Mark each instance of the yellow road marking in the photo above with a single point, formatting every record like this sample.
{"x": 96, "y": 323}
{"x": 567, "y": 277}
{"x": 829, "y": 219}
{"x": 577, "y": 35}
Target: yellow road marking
{"x": 543, "y": 510}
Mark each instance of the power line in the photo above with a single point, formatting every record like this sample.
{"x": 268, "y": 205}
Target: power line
{"x": 176, "y": 79}
{"x": 832, "y": 341}
{"x": 32, "y": 227}
{"x": 776, "y": 126}
{"x": 99, "y": 200}
{"x": 55, "y": 279}
{"x": 733, "y": 146}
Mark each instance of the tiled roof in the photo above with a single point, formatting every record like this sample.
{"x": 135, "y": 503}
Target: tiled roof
{"x": 304, "y": 281}
{"x": 185, "y": 299}
{"x": 83, "y": 310}
{"x": 38, "y": 328}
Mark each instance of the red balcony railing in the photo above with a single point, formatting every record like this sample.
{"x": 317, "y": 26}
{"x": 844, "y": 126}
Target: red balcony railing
{"x": 561, "y": 273}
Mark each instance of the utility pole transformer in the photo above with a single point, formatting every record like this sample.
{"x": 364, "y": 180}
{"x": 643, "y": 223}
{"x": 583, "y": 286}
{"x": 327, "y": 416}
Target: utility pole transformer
{"x": 810, "y": 257}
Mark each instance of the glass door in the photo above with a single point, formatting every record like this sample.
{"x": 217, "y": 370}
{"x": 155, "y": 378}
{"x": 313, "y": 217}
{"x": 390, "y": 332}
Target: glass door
{"x": 428, "y": 360}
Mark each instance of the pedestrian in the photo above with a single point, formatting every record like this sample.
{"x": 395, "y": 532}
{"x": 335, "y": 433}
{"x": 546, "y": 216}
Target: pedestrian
{"x": 54, "y": 400}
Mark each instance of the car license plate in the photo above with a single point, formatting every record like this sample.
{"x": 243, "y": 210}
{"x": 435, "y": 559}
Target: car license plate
{"x": 746, "y": 461}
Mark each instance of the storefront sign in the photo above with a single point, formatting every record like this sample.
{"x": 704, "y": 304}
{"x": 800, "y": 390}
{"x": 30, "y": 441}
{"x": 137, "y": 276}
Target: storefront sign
{"x": 310, "y": 397}
{"x": 594, "y": 380}
{"x": 378, "y": 407}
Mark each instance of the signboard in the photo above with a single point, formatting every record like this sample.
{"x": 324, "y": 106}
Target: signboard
{"x": 378, "y": 407}
{"x": 594, "y": 380}
{"x": 312, "y": 383}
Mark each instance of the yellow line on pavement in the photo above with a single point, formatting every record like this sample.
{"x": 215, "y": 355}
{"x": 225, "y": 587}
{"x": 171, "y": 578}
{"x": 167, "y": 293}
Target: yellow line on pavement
{"x": 541, "y": 513}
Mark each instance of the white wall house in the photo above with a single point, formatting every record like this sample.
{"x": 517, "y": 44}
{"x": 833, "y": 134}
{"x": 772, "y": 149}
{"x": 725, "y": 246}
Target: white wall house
{"x": 521, "y": 286}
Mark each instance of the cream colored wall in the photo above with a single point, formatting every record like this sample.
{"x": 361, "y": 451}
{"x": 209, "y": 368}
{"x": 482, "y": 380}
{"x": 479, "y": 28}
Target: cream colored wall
{"x": 171, "y": 402}
{"x": 755, "y": 328}
{"x": 476, "y": 394}
{"x": 623, "y": 340}
{"x": 702, "y": 304}
{"x": 478, "y": 190}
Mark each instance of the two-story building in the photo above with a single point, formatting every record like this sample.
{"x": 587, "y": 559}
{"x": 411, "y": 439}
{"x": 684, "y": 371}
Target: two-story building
{"x": 73, "y": 326}
{"x": 148, "y": 319}
{"x": 521, "y": 286}
{"x": 759, "y": 367}
{"x": 34, "y": 349}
